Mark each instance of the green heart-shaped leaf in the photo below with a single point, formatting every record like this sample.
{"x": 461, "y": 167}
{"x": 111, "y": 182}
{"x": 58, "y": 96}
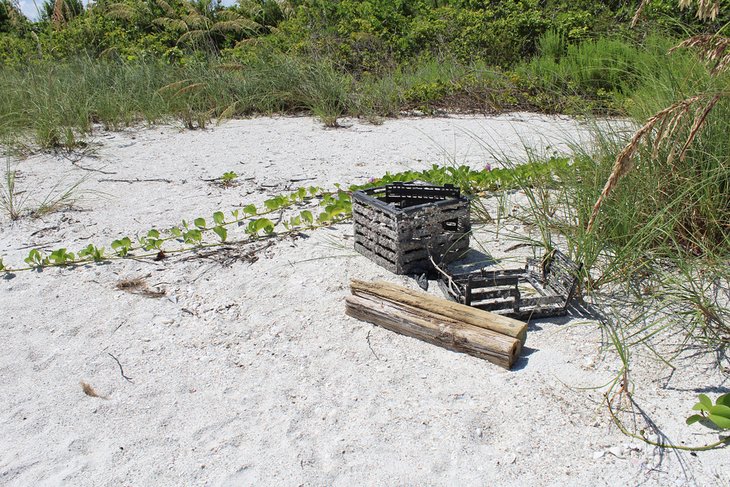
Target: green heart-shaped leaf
{"x": 221, "y": 232}
{"x": 694, "y": 418}
{"x": 705, "y": 400}
{"x": 700, "y": 407}
{"x": 720, "y": 421}
{"x": 724, "y": 400}
{"x": 720, "y": 410}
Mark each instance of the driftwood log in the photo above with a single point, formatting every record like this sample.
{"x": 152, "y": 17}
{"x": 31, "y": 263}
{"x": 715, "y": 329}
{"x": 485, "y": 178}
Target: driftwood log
{"x": 473, "y": 316}
{"x": 437, "y": 321}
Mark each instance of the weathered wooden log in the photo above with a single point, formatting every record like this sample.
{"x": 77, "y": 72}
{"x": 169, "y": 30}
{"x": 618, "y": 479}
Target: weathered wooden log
{"x": 449, "y": 309}
{"x": 439, "y": 330}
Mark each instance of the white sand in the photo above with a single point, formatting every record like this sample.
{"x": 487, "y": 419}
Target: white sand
{"x": 250, "y": 374}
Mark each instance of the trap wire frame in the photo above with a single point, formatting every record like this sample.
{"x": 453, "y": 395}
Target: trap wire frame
{"x": 554, "y": 278}
{"x": 402, "y": 226}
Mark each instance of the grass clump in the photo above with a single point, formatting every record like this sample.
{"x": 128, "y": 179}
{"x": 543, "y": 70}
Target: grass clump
{"x": 72, "y": 98}
{"x": 15, "y": 202}
{"x": 69, "y": 99}
{"x": 656, "y": 253}
{"x": 12, "y": 201}
{"x": 606, "y": 72}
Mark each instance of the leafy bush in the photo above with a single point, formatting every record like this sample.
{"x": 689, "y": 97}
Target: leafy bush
{"x": 11, "y": 19}
{"x": 370, "y": 35}
{"x": 609, "y": 70}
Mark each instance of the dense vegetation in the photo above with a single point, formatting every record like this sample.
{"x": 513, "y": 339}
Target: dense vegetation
{"x": 117, "y": 62}
{"x": 357, "y": 36}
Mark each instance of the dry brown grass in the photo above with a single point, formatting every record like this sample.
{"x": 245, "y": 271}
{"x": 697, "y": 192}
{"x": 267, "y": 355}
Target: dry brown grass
{"x": 712, "y": 48}
{"x": 139, "y": 286}
{"x": 661, "y": 129}
{"x": 90, "y": 391}
{"x": 706, "y": 9}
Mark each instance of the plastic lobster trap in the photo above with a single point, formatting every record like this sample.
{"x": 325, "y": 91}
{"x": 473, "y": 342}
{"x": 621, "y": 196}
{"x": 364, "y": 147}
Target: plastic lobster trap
{"x": 543, "y": 288}
{"x": 402, "y": 226}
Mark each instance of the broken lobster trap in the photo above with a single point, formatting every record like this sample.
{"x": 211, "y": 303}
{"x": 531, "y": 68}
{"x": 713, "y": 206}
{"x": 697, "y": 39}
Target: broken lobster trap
{"x": 402, "y": 226}
{"x": 544, "y": 287}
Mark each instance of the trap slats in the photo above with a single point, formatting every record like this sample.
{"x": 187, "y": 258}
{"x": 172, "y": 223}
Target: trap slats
{"x": 385, "y": 240}
{"x": 374, "y": 256}
{"x": 554, "y": 278}
{"x": 510, "y": 292}
{"x": 445, "y": 207}
{"x": 541, "y": 301}
{"x": 400, "y": 226}
{"x": 498, "y": 306}
{"x": 488, "y": 281}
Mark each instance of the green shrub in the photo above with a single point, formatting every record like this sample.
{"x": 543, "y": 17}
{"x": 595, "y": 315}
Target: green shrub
{"x": 608, "y": 70}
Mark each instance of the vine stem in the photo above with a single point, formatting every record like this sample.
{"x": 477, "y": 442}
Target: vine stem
{"x": 181, "y": 250}
{"x": 258, "y": 214}
{"x": 711, "y": 446}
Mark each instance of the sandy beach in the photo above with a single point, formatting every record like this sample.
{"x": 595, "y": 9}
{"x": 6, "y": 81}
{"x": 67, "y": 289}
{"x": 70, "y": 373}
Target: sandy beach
{"x": 244, "y": 370}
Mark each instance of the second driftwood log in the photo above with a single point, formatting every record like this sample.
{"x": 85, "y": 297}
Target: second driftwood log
{"x": 437, "y": 321}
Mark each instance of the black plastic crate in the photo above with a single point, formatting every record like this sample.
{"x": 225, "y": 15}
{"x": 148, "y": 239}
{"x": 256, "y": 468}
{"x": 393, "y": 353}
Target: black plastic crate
{"x": 401, "y": 226}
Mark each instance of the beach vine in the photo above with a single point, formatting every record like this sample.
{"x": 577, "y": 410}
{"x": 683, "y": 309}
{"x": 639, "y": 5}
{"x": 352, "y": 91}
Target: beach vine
{"x": 269, "y": 220}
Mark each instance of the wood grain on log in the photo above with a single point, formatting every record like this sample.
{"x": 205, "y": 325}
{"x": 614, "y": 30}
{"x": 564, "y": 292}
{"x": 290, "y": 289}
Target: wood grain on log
{"x": 436, "y": 329}
{"x": 455, "y": 311}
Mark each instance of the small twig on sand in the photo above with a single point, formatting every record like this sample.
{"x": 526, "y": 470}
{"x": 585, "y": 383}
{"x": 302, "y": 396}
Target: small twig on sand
{"x": 517, "y": 246}
{"x": 281, "y": 217}
{"x": 367, "y": 338}
{"x": 54, "y": 227}
{"x": 90, "y": 169}
{"x": 135, "y": 180}
{"x": 121, "y": 370}
{"x": 299, "y": 180}
{"x": 228, "y": 255}
{"x": 45, "y": 245}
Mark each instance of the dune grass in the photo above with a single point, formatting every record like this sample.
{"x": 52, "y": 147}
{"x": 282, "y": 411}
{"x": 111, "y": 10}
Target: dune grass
{"x": 656, "y": 260}
{"x": 51, "y": 105}
{"x": 55, "y": 104}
